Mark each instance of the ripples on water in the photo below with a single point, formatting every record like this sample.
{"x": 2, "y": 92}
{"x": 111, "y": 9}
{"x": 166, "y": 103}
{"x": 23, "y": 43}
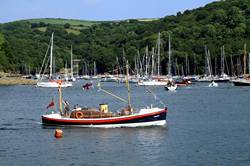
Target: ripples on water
{"x": 206, "y": 126}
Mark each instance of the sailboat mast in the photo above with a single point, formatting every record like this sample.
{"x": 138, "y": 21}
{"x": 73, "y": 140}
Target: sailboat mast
{"x": 169, "y": 55}
{"x": 128, "y": 87}
{"x": 66, "y": 70}
{"x": 153, "y": 62}
{"x": 186, "y": 65}
{"x": 136, "y": 66}
{"x": 245, "y": 59}
{"x": 207, "y": 69}
{"x": 195, "y": 65}
{"x": 177, "y": 72}
{"x": 209, "y": 63}
{"x": 249, "y": 63}
{"x": 146, "y": 70}
{"x": 123, "y": 60}
{"x": 94, "y": 68}
{"x": 51, "y": 56}
{"x": 158, "y": 53}
{"x": 232, "y": 66}
{"x": 71, "y": 62}
{"x": 222, "y": 60}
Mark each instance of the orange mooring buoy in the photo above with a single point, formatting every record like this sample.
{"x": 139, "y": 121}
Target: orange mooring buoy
{"x": 58, "y": 133}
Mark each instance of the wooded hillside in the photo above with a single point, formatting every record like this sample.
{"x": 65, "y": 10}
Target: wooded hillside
{"x": 219, "y": 23}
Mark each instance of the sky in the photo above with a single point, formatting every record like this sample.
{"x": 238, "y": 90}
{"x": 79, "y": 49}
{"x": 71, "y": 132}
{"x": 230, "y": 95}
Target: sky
{"x": 99, "y": 10}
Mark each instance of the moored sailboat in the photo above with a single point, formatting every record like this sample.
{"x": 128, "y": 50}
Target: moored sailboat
{"x": 245, "y": 81}
{"x": 51, "y": 83}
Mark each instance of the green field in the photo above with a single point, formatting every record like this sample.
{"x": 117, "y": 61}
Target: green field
{"x": 76, "y": 32}
{"x": 148, "y": 19}
{"x": 42, "y": 29}
{"x": 75, "y": 25}
{"x": 64, "y": 21}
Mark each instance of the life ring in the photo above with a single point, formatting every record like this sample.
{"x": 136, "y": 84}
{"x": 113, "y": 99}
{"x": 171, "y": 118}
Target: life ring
{"x": 79, "y": 115}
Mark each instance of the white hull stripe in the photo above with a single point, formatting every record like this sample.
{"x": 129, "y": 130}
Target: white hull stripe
{"x": 143, "y": 124}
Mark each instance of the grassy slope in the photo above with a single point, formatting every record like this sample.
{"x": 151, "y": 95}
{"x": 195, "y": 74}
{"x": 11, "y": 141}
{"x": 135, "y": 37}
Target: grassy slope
{"x": 64, "y": 21}
{"x": 75, "y": 25}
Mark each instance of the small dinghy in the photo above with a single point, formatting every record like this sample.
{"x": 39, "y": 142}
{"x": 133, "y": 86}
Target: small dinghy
{"x": 171, "y": 86}
{"x": 87, "y": 86}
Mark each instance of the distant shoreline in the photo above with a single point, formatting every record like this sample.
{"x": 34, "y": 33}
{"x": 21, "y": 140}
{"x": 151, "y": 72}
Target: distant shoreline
{"x": 16, "y": 81}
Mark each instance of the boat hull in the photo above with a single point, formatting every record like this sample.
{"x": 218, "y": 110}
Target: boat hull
{"x": 152, "y": 83}
{"x": 53, "y": 84}
{"x": 137, "y": 120}
{"x": 171, "y": 88}
{"x": 221, "y": 80}
{"x": 241, "y": 82}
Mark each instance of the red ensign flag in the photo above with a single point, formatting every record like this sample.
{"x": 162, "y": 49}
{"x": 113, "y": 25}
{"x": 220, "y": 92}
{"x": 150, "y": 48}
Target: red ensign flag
{"x": 51, "y": 104}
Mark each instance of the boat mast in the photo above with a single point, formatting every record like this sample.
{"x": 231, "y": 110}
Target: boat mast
{"x": 66, "y": 71}
{"x": 140, "y": 71}
{"x": 209, "y": 63}
{"x": 249, "y": 63}
{"x": 222, "y": 60}
{"x": 117, "y": 67}
{"x": 158, "y": 53}
{"x": 215, "y": 66}
{"x": 169, "y": 55}
{"x": 195, "y": 65}
{"x": 51, "y": 56}
{"x": 71, "y": 62}
{"x": 136, "y": 65}
{"x": 146, "y": 70}
{"x": 123, "y": 60}
{"x": 232, "y": 66}
{"x": 128, "y": 87}
{"x": 94, "y": 68}
{"x": 187, "y": 69}
{"x": 86, "y": 68}
{"x": 177, "y": 72}
{"x": 153, "y": 62}
{"x": 245, "y": 60}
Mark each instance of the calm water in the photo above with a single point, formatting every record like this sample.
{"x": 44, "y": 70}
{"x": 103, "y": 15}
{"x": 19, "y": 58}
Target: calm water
{"x": 206, "y": 126}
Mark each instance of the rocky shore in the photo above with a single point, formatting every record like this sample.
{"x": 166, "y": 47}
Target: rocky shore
{"x": 15, "y": 79}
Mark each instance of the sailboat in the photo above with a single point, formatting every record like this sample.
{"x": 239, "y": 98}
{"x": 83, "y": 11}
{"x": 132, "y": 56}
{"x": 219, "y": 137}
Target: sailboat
{"x": 103, "y": 117}
{"x": 170, "y": 84}
{"x": 151, "y": 80}
{"x": 245, "y": 81}
{"x": 94, "y": 76}
{"x": 50, "y": 83}
{"x": 72, "y": 78}
{"x": 213, "y": 83}
{"x": 223, "y": 77}
{"x": 86, "y": 75}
